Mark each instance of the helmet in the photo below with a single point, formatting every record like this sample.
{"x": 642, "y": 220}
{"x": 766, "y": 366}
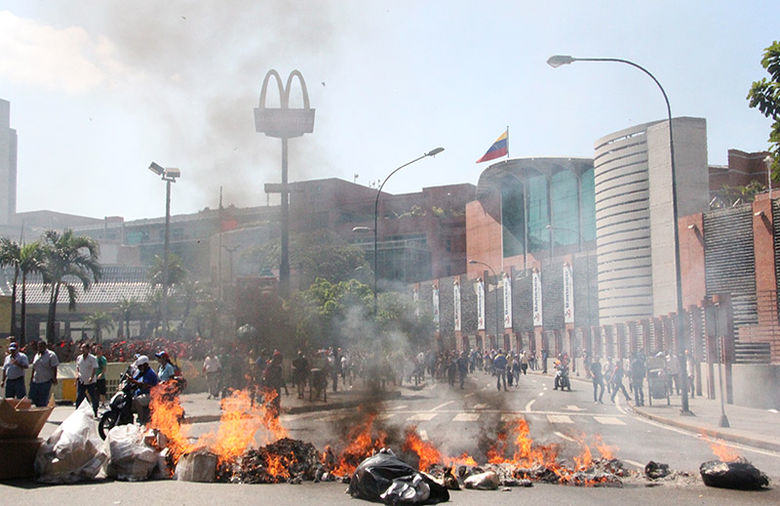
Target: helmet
{"x": 141, "y": 360}
{"x": 161, "y": 354}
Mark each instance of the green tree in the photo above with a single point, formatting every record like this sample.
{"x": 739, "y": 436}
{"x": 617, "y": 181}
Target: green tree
{"x": 10, "y": 253}
{"x": 67, "y": 257}
{"x": 765, "y": 95}
{"x": 30, "y": 262}
{"x": 125, "y": 310}
{"x": 176, "y": 271}
{"x": 100, "y": 321}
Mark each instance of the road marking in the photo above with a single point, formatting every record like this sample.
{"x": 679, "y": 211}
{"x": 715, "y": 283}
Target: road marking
{"x": 488, "y": 385}
{"x": 480, "y": 406}
{"x": 398, "y": 408}
{"x": 506, "y": 417}
{"x": 424, "y": 435}
{"x": 442, "y": 405}
{"x": 633, "y": 463}
{"x": 609, "y": 420}
{"x": 466, "y": 417}
{"x": 528, "y": 406}
{"x": 567, "y": 438}
{"x": 571, "y": 407}
{"x": 386, "y": 416}
{"x": 559, "y": 419}
{"x": 541, "y": 394}
{"x": 426, "y": 417}
{"x": 468, "y": 395}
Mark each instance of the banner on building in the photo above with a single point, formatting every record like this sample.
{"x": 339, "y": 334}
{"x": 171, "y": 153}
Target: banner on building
{"x": 435, "y": 297}
{"x": 536, "y": 285}
{"x": 456, "y": 302}
{"x": 480, "y": 287}
{"x": 507, "y": 282}
{"x": 568, "y": 294}
{"x": 416, "y": 300}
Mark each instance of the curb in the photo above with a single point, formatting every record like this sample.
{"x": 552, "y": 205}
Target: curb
{"x": 306, "y": 408}
{"x": 716, "y": 433}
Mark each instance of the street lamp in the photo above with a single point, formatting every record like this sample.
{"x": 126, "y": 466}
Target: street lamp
{"x": 498, "y": 324}
{"x": 432, "y": 152}
{"x": 169, "y": 175}
{"x": 558, "y": 60}
{"x": 768, "y": 162}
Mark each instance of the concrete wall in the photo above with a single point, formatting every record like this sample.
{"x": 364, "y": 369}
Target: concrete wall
{"x": 7, "y": 165}
{"x": 692, "y": 182}
{"x": 755, "y": 385}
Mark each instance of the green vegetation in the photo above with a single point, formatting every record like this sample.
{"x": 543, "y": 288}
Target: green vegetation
{"x": 765, "y": 95}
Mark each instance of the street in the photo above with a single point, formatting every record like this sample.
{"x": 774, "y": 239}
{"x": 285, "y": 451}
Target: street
{"x": 456, "y": 421}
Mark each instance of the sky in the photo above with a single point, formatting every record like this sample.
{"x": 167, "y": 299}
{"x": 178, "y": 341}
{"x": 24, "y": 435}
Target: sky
{"x": 100, "y": 88}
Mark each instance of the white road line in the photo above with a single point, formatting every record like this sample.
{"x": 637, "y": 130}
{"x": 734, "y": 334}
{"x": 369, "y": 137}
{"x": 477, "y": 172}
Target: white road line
{"x": 466, "y": 417}
{"x": 528, "y": 406}
{"x": 506, "y": 417}
{"x": 559, "y": 419}
{"x": 398, "y": 408}
{"x": 571, "y": 407}
{"x": 424, "y": 435}
{"x": 567, "y": 438}
{"x": 426, "y": 417}
{"x": 480, "y": 406}
{"x": 442, "y": 405}
{"x": 609, "y": 420}
{"x": 386, "y": 416}
{"x": 633, "y": 463}
{"x": 541, "y": 394}
{"x": 468, "y": 395}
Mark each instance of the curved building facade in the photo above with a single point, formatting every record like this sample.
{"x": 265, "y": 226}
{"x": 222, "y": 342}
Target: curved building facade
{"x": 634, "y": 216}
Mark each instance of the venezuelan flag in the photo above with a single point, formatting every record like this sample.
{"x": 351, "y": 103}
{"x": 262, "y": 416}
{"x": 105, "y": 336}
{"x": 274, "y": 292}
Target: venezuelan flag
{"x": 498, "y": 149}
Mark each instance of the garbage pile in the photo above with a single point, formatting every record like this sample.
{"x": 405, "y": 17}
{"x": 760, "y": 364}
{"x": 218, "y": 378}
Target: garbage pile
{"x": 738, "y": 474}
{"x": 287, "y": 460}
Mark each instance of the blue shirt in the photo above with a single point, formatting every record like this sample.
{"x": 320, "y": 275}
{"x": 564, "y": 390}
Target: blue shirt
{"x": 499, "y": 362}
{"x": 149, "y": 377}
{"x": 166, "y": 372}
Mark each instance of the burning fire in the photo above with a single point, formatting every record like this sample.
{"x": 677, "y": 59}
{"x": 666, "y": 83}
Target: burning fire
{"x": 723, "y": 452}
{"x": 425, "y": 450}
{"x": 364, "y": 441}
{"x": 240, "y": 420}
{"x": 526, "y": 454}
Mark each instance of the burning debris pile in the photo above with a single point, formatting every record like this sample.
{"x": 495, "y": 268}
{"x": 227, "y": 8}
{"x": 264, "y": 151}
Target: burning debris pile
{"x": 731, "y": 470}
{"x": 287, "y": 460}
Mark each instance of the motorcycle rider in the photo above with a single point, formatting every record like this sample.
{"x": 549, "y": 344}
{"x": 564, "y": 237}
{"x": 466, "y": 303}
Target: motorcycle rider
{"x": 144, "y": 379}
{"x": 166, "y": 370}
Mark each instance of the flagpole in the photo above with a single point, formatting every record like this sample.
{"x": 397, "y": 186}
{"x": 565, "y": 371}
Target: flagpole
{"x": 507, "y": 142}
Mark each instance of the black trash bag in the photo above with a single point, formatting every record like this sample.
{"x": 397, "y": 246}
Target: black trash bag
{"x": 657, "y": 470}
{"x": 375, "y": 475}
{"x": 739, "y": 475}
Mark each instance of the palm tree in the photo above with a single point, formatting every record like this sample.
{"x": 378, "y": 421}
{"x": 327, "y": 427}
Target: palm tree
{"x": 100, "y": 321}
{"x": 176, "y": 271}
{"x": 9, "y": 257}
{"x": 67, "y": 256}
{"x": 125, "y": 310}
{"x": 30, "y": 261}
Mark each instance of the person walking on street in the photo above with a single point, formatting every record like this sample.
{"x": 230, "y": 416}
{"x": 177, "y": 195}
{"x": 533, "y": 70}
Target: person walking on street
{"x": 44, "y": 375}
{"x": 524, "y": 362}
{"x": 86, "y": 368}
{"x": 100, "y": 374}
{"x": 499, "y": 369}
{"x": 212, "y": 368}
{"x": 463, "y": 368}
{"x": 617, "y": 382}
{"x": 273, "y": 378}
{"x": 300, "y": 373}
{"x": 545, "y": 355}
{"x": 13, "y": 372}
{"x": 637, "y": 378}
{"x": 598, "y": 381}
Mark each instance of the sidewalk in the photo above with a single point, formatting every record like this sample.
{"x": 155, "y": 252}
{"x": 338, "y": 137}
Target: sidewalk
{"x": 750, "y": 426}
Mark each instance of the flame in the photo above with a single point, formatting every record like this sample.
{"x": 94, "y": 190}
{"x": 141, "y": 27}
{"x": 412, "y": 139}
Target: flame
{"x": 584, "y": 460}
{"x": 464, "y": 459}
{"x": 363, "y": 443}
{"x": 723, "y": 452}
{"x": 278, "y": 466}
{"x": 425, "y": 450}
{"x": 239, "y": 421}
{"x": 526, "y": 454}
{"x": 606, "y": 451}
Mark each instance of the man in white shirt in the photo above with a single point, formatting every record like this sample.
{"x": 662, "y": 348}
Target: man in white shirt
{"x": 86, "y": 367}
{"x": 212, "y": 368}
{"x": 44, "y": 375}
{"x": 13, "y": 372}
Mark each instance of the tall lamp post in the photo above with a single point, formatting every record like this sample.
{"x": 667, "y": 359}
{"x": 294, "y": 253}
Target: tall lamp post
{"x": 432, "y": 152}
{"x": 168, "y": 175}
{"x": 493, "y": 271}
{"x": 558, "y": 60}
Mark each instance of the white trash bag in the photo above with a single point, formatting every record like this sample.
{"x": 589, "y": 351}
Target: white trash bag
{"x": 74, "y": 452}
{"x": 130, "y": 459}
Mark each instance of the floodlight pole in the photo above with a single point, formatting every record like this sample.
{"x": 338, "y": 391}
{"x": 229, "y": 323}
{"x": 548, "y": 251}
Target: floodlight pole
{"x": 557, "y": 61}
{"x": 166, "y": 253}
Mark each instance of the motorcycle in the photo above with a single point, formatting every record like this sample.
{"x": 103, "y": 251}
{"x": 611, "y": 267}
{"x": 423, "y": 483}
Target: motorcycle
{"x": 120, "y": 407}
{"x": 562, "y": 378}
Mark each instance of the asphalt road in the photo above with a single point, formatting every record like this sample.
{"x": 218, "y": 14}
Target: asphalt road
{"x": 456, "y": 421}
